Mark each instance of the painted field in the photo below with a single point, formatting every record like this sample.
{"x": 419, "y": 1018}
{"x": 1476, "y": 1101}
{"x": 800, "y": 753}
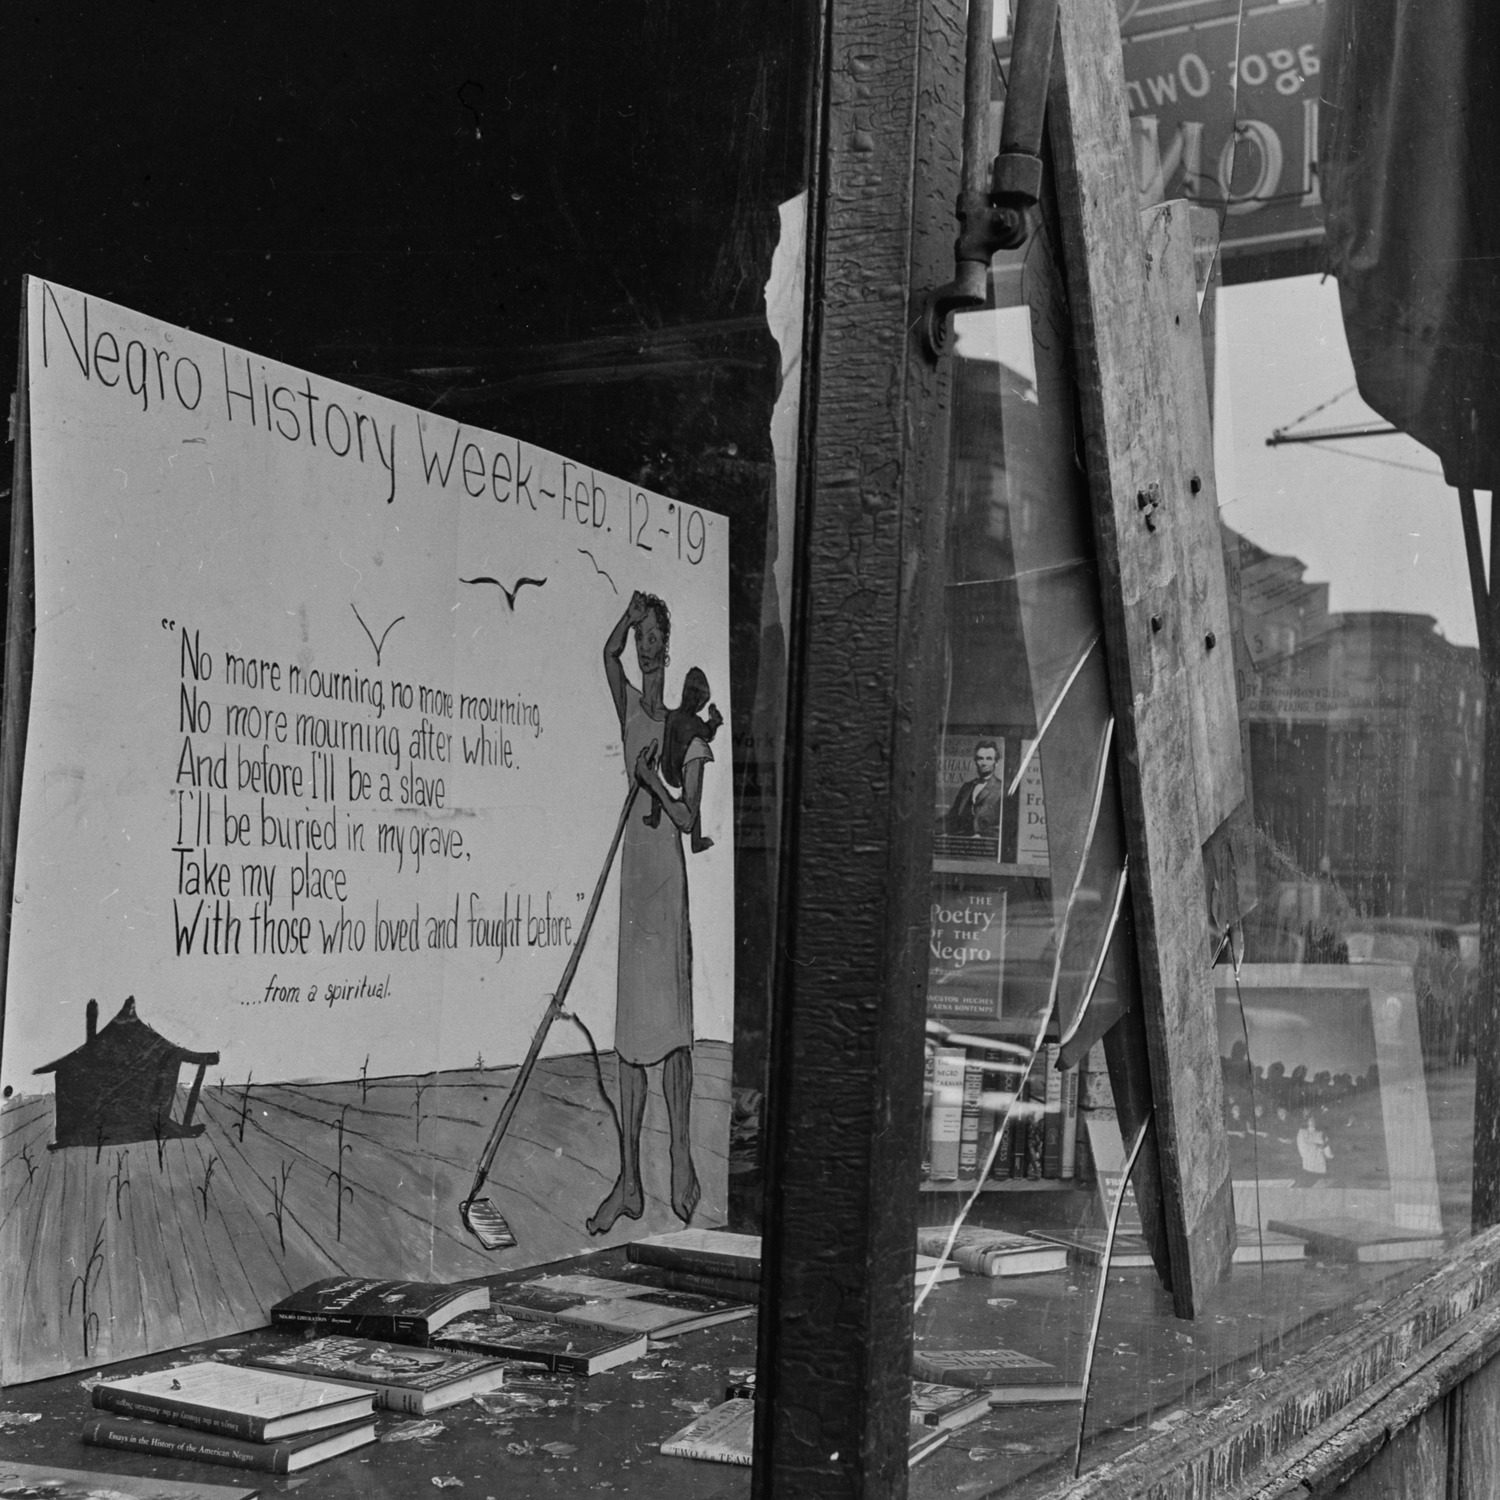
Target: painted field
{"x": 115, "y": 1251}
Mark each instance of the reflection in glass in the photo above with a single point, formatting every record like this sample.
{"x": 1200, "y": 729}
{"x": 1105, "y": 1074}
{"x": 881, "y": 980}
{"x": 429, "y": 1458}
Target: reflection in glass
{"x": 1343, "y": 997}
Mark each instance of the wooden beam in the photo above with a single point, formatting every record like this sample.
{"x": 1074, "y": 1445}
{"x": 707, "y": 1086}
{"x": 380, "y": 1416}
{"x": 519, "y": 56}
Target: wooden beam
{"x": 1150, "y": 521}
{"x": 844, "y": 1098}
{"x": 1317, "y": 1417}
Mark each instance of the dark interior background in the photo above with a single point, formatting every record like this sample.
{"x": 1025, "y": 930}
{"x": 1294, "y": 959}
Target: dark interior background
{"x": 554, "y": 220}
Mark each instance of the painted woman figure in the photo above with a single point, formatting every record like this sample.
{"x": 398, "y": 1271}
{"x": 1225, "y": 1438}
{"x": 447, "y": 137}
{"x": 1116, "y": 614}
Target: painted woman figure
{"x": 654, "y": 1015}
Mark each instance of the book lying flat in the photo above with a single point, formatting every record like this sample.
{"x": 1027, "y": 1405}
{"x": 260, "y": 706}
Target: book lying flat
{"x": 286, "y": 1456}
{"x": 1355, "y": 1239}
{"x": 661, "y": 1278}
{"x": 234, "y": 1400}
{"x": 409, "y": 1312}
{"x": 947, "y": 1406}
{"x": 1010, "y": 1377}
{"x": 715, "y": 1251}
{"x": 403, "y": 1378}
{"x": 569, "y": 1348}
{"x": 93, "y": 1484}
{"x": 993, "y": 1252}
{"x": 1261, "y": 1246}
{"x": 1085, "y": 1247}
{"x": 726, "y": 1435}
{"x": 624, "y": 1306}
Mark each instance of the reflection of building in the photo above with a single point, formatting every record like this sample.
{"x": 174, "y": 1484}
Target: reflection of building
{"x": 1364, "y": 737}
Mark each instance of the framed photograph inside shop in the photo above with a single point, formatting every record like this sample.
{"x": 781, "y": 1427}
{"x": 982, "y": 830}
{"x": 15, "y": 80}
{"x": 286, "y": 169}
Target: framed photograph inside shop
{"x": 1324, "y": 1096}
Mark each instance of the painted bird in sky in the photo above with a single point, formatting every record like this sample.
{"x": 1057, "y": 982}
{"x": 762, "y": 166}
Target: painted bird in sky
{"x": 510, "y": 593}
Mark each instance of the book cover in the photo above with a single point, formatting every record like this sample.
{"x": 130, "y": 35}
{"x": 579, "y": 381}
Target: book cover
{"x": 1345, "y": 1237}
{"x": 1262, "y": 1246}
{"x": 626, "y": 1307}
{"x": 717, "y": 1251}
{"x": 724, "y": 1435}
{"x": 568, "y": 1348}
{"x": 233, "y": 1400}
{"x": 947, "y": 1111}
{"x": 404, "y": 1379}
{"x": 407, "y": 1312}
{"x": 1011, "y": 1377}
{"x": 946, "y": 1406}
{"x": 286, "y": 1456}
{"x": 1052, "y": 1117}
{"x": 993, "y": 1252}
{"x": 1107, "y": 1151}
{"x": 90, "y": 1484}
{"x": 1031, "y": 815}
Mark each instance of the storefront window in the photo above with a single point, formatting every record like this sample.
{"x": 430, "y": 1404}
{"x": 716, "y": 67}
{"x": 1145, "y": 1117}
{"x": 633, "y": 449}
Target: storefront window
{"x": 1344, "y": 960}
{"x": 468, "y": 440}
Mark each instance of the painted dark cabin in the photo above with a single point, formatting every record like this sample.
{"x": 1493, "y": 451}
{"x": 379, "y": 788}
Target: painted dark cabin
{"x": 120, "y": 1085}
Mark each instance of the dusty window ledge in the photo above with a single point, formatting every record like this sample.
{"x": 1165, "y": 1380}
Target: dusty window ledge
{"x": 1304, "y": 1427}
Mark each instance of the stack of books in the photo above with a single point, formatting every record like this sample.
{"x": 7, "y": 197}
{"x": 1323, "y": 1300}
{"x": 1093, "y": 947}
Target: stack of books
{"x": 231, "y": 1414}
{"x": 992, "y": 1252}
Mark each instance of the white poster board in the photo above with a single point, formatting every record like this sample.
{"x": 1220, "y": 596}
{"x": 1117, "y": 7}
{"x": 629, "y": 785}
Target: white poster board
{"x": 322, "y": 768}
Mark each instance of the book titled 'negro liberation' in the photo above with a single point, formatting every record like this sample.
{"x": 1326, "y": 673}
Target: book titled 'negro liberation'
{"x": 409, "y": 1312}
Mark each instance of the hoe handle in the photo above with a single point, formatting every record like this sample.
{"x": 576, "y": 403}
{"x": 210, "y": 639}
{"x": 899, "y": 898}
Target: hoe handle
{"x": 554, "y": 1009}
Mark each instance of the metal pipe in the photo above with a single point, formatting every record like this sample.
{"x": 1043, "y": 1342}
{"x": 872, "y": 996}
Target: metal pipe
{"x": 995, "y": 201}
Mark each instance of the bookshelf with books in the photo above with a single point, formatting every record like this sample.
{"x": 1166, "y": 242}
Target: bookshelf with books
{"x": 971, "y": 1089}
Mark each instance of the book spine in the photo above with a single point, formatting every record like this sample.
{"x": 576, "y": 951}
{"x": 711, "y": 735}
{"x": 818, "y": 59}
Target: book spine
{"x": 927, "y": 1071}
{"x": 107, "y": 1432}
{"x": 1084, "y": 1172}
{"x": 393, "y": 1330}
{"x": 1070, "y": 1124}
{"x": 947, "y": 1112}
{"x": 738, "y": 1287}
{"x": 708, "y": 1263}
{"x": 968, "y": 1131}
{"x": 1036, "y": 1092}
{"x": 235, "y": 1424}
{"x": 1052, "y": 1098}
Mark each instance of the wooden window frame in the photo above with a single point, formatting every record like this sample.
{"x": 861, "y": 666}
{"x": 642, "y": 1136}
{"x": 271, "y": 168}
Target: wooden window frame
{"x": 844, "y": 1086}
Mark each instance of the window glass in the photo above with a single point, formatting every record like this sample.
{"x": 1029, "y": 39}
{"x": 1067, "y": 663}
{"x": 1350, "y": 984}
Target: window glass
{"x": 1344, "y": 988}
{"x": 584, "y": 231}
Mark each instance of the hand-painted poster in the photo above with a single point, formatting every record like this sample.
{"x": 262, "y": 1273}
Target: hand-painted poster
{"x": 374, "y": 907}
